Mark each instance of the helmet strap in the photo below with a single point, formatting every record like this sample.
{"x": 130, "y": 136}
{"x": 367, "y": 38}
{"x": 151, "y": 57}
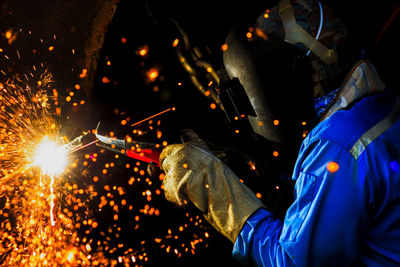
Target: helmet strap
{"x": 294, "y": 33}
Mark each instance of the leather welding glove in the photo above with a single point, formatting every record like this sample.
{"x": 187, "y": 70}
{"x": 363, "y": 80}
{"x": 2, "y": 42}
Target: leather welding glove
{"x": 194, "y": 174}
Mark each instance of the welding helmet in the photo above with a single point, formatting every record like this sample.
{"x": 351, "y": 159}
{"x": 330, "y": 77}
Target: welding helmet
{"x": 277, "y": 68}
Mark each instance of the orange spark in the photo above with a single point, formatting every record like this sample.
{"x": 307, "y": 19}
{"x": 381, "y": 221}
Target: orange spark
{"x": 143, "y": 52}
{"x": 332, "y": 167}
{"x": 152, "y": 74}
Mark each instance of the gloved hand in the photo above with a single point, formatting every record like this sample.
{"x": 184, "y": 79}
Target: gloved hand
{"x": 194, "y": 174}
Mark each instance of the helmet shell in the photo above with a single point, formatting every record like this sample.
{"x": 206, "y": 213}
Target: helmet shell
{"x": 277, "y": 80}
{"x": 308, "y": 15}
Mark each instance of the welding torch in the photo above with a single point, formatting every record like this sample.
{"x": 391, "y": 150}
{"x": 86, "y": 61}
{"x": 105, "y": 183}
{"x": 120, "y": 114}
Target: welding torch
{"x": 140, "y": 150}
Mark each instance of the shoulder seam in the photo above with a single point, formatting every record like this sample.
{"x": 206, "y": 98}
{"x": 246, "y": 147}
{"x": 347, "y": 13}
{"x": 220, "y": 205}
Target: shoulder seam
{"x": 320, "y": 138}
{"x": 329, "y": 140}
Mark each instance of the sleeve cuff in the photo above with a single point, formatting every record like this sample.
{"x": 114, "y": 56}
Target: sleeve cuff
{"x": 242, "y": 246}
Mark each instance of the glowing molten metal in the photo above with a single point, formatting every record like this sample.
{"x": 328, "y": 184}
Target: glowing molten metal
{"x": 51, "y": 157}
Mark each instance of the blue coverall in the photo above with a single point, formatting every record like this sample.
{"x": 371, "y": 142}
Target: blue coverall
{"x": 342, "y": 216}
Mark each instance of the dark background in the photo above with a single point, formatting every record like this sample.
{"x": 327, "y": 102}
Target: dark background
{"x": 207, "y": 23}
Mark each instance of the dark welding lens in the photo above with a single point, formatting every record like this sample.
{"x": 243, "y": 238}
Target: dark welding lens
{"x": 234, "y": 100}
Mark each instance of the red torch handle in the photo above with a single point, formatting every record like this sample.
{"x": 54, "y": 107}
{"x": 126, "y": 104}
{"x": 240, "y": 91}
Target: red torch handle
{"x": 145, "y": 155}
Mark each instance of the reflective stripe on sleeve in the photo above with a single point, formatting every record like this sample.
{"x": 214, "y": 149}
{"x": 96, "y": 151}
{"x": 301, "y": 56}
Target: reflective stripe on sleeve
{"x": 373, "y": 133}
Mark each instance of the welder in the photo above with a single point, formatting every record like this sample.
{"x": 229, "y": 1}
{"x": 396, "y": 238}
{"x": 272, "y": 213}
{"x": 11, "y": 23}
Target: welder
{"x": 346, "y": 209}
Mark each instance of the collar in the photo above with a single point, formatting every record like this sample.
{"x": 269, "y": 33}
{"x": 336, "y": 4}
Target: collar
{"x": 362, "y": 80}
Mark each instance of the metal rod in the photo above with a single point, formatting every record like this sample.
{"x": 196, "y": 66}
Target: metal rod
{"x": 136, "y": 123}
{"x": 80, "y": 147}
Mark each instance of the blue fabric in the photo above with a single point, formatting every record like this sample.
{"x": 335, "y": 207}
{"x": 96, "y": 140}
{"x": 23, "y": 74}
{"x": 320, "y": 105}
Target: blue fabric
{"x": 321, "y": 103}
{"x": 337, "y": 218}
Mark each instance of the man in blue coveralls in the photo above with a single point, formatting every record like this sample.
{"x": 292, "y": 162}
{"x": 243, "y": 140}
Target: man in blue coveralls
{"x": 346, "y": 209}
